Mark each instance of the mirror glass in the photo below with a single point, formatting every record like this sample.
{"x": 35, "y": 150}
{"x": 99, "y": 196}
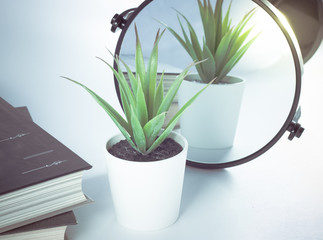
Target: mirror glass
{"x": 267, "y": 68}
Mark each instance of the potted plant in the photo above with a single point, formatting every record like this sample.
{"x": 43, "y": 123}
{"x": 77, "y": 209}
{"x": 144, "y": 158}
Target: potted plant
{"x": 223, "y": 46}
{"x": 145, "y": 163}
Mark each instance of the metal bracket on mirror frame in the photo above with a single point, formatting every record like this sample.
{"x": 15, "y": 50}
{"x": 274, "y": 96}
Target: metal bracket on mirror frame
{"x": 295, "y": 129}
{"x": 119, "y": 20}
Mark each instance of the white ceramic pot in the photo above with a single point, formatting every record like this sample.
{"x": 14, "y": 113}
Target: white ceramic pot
{"x": 211, "y": 121}
{"x": 147, "y": 195}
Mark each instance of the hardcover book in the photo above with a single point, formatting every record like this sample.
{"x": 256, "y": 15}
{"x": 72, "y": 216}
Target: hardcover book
{"x": 39, "y": 176}
{"x": 47, "y": 229}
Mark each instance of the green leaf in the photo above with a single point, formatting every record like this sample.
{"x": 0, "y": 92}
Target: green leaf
{"x": 159, "y": 94}
{"x": 194, "y": 40}
{"x": 114, "y": 115}
{"x": 122, "y": 81}
{"x": 106, "y": 106}
{"x": 222, "y": 40}
{"x": 241, "y": 25}
{"x": 161, "y": 138}
{"x": 204, "y": 15}
{"x": 191, "y": 52}
{"x": 211, "y": 27}
{"x": 236, "y": 58}
{"x": 188, "y": 45}
{"x": 138, "y": 133}
{"x": 178, "y": 37}
{"x": 239, "y": 42}
{"x": 226, "y": 24}
{"x": 186, "y": 105}
{"x": 132, "y": 78}
{"x": 218, "y": 23}
{"x": 222, "y": 52}
{"x": 173, "y": 121}
{"x": 140, "y": 64}
{"x": 152, "y": 75}
{"x": 126, "y": 108}
{"x": 209, "y": 66}
{"x": 153, "y": 128}
{"x": 169, "y": 97}
{"x": 142, "y": 112}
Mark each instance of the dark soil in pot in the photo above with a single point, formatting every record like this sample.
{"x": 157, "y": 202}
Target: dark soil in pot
{"x": 167, "y": 149}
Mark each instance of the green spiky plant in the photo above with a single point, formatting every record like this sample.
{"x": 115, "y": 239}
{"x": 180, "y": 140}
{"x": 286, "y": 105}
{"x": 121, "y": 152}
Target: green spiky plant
{"x": 143, "y": 101}
{"x": 223, "y": 44}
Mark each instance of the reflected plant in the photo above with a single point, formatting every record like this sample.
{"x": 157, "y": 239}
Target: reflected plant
{"x": 223, "y": 43}
{"x": 144, "y": 104}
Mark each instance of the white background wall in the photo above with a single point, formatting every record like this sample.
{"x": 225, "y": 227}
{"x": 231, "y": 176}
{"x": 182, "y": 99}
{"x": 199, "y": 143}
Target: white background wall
{"x": 42, "y": 40}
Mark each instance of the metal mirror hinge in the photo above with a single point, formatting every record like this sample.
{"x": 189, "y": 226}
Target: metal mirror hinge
{"x": 119, "y": 20}
{"x": 295, "y": 129}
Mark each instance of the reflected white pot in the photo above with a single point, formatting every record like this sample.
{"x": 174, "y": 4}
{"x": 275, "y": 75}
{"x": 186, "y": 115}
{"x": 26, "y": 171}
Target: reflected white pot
{"x": 211, "y": 121}
{"x": 147, "y": 195}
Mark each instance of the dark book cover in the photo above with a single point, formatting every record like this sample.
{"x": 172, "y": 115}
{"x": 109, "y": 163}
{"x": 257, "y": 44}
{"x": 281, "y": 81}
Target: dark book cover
{"x": 24, "y": 112}
{"x": 28, "y": 154}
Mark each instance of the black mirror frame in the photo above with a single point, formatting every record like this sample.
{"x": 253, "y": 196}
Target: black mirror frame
{"x": 290, "y": 125}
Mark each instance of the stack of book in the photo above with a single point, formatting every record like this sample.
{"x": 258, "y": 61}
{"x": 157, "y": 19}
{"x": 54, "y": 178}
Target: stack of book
{"x": 40, "y": 179}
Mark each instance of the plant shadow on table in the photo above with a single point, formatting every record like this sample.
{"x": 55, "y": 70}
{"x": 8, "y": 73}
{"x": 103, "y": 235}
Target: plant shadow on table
{"x": 199, "y": 181}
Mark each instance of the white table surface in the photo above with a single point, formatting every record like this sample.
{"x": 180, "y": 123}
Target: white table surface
{"x": 277, "y": 196}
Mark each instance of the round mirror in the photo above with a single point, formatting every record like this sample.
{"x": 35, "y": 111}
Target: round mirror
{"x": 270, "y": 71}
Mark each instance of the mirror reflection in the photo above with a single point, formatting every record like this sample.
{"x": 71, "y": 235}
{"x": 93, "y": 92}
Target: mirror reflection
{"x": 255, "y": 98}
